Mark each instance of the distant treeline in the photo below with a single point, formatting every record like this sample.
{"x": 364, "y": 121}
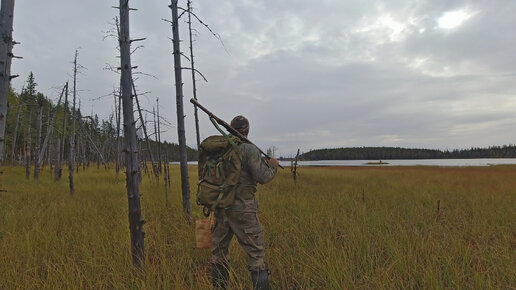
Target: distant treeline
{"x": 384, "y": 153}
{"x": 94, "y": 137}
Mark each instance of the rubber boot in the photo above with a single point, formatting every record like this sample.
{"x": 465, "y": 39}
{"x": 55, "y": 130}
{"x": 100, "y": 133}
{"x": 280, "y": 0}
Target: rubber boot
{"x": 260, "y": 280}
{"x": 220, "y": 276}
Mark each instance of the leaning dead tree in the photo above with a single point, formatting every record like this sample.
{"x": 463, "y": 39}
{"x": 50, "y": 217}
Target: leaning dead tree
{"x": 6, "y": 56}
{"x": 41, "y": 154}
{"x": 131, "y": 146}
{"x": 93, "y": 145}
{"x": 144, "y": 127}
{"x": 58, "y": 171}
{"x": 185, "y": 186}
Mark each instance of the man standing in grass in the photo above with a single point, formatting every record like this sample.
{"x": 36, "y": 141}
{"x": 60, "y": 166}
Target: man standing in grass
{"x": 241, "y": 217}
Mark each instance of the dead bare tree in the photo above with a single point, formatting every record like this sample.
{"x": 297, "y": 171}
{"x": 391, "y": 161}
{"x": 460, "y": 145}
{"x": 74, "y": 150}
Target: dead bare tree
{"x": 144, "y": 127}
{"x": 39, "y": 126}
{"x": 131, "y": 146}
{"x": 79, "y": 139}
{"x": 166, "y": 176}
{"x": 294, "y": 170}
{"x": 47, "y": 153}
{"x": 15, "y": 135}
{"x": 185, "y": 186}
{"x": 117, "y": 112}
{"x": 28, "y": 143}
{"x": 84, "y": 155}
{"x": 99, "y": 152}
{"x": 61, "y": 141}
{"x": 156, "y": 132}
{"x": 41, "y": 152}
{"x": 58, "y": 155}
{"x": 6, "y": 56}
{"x": 159, "y": 134}
{"x": 71, "y": 153}
{"x": 192, "y": 64}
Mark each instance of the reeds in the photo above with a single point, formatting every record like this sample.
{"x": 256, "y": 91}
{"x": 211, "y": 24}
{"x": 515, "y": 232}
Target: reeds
{"x": 347, "y": 228}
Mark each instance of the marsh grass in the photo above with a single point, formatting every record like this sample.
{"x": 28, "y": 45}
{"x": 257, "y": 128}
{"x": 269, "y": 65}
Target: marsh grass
{"x": 322, "y": 233}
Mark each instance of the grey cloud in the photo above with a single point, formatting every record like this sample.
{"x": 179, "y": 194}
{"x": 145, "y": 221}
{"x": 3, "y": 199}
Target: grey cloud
{"x": 307, "y": 74}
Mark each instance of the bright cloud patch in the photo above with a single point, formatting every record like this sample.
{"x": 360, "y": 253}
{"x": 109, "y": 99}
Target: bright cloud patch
{"x": 383, "y": 29}
{"x": 453, "y": 19}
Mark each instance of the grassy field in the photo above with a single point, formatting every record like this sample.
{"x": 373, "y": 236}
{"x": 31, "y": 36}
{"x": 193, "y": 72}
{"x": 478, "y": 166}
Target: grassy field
{"x": 338, "y": 228}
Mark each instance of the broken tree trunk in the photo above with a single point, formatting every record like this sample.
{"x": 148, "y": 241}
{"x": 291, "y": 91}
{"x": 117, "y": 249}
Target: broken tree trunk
{"x": 159, "y": 135}
{"x": 131, "y": 146}
{"x": 71, "y": 153}
{"x": 185, "y": 186}
{"x": 39, "y": 126}
{"x": 294, "y": 171}
{"x": 6, "y": 56}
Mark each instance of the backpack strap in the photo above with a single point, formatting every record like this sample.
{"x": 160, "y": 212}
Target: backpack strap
{"x": 226, "y": 135}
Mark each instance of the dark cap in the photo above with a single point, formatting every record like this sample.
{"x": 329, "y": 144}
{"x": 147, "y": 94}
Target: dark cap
{"x": 241, "y": 124}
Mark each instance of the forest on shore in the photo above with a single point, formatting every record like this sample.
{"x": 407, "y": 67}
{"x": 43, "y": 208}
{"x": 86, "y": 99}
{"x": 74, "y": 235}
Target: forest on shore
{"x": 30, "y": 118}
{"x": 385, "y": 153}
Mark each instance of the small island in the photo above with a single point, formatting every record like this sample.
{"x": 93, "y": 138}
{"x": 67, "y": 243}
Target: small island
{"x": 380, "y": 162}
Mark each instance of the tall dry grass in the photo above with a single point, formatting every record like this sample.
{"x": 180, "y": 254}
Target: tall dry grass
{"x": 322, "y": 233}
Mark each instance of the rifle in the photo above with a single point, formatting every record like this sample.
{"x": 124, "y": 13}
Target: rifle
{"x": 228, "y": 127}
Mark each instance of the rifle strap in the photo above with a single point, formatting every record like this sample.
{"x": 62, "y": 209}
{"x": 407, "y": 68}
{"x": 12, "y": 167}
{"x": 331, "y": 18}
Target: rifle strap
{"x": 225, "y": 135}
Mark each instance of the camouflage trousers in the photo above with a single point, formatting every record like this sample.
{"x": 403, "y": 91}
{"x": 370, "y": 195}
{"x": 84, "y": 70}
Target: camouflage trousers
{"x": 249, "y": 232}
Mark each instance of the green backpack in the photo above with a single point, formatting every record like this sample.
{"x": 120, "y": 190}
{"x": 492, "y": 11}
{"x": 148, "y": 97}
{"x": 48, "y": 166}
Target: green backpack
{"x": 219, "y": 171}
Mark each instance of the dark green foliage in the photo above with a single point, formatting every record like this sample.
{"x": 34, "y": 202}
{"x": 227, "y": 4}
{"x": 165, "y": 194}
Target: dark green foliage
{"x": 101, "y": 132}
{"x": 172, "y": 151}
{"x": 386, "y": 153}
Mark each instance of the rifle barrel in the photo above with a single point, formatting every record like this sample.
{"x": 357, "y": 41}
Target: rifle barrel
{"x": 228, "y": 127}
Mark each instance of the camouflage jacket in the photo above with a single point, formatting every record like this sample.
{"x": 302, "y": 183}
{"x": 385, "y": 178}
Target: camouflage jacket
{"x": 255, "y": 169}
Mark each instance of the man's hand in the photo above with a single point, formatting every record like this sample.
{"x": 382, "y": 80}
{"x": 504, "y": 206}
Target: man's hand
{"x": 273, "y": 161}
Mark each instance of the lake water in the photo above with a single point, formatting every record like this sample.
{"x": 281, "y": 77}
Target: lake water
{"x": 408, "y": 162}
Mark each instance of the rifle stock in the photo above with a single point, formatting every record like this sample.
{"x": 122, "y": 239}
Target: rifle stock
{"x": 228, "y": 127}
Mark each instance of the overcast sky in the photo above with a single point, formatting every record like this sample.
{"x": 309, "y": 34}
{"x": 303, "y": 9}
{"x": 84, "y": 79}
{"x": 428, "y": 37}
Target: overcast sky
{"x": 308, "y": 74}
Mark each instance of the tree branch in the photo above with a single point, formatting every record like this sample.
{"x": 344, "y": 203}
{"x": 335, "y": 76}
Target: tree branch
{"x": 195, "y": 70}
